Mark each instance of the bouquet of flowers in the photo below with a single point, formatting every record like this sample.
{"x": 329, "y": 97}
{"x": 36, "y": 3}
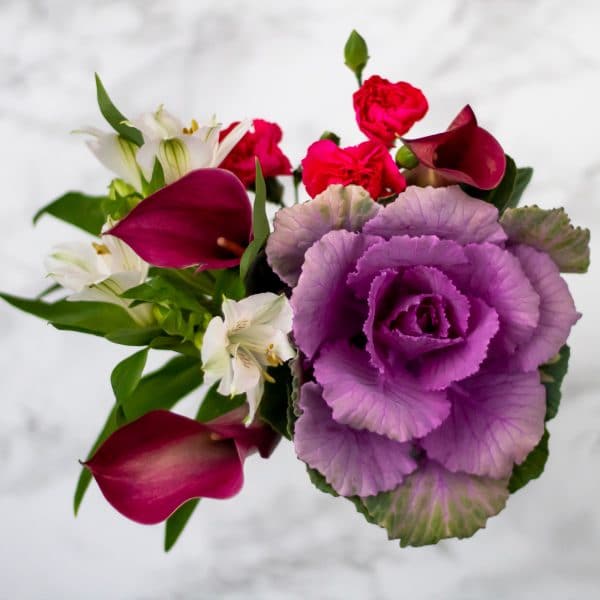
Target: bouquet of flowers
{"x": 405, "y": 327}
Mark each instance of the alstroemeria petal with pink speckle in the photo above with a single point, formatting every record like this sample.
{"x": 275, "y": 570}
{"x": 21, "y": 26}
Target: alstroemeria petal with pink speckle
{"x": 354, "y": 463}
{"x": 496, "y": 420}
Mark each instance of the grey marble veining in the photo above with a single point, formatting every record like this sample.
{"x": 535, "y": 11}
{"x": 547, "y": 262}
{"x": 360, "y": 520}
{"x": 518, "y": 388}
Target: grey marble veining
{"x": 531, "y": 70}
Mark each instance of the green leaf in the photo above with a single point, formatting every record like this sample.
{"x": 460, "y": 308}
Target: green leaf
{"x": 550, "y": 231}
{"x": 433, "y": 503}
{"x": 122, "y": 199}
{"x": 140, "y": 336}
{"x": 356, "y": 54}
{"x": 501, "y": 196}
{"x": 96, "y": 318}
{"x": 524, "y": 175}
{"x": 552, "y": 374}
{"x": 260, "y": 223}
{"x": 114, "y": 117}
{"x": 161, "y": 389}
{"x": 160, "y": 290}
{"x": 76, "y": 208}
{"x": 319, "y": 481}
{"x": 532, "y": 467}
{"x": 127, "y": 375}
{"x": 274, "y": 403}
{"x": 215, "y": 405}
{"x": 157, "y": 179}
{"x": 177, "y": 521}
{"x": 228, "y": 284}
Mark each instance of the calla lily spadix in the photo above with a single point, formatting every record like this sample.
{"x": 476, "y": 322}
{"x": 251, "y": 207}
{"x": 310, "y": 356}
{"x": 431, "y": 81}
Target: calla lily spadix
{"x": 203, "y": 219}
{"x": 150, "y": 467}
{"x": 464, "y": 153}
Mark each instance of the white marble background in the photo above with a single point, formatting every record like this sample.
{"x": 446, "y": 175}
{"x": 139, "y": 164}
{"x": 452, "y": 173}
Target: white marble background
{"x": 531, "y": 70}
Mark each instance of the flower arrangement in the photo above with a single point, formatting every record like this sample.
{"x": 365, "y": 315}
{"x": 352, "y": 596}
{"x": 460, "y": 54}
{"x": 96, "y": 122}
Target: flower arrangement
{"x": 405, "y": 327}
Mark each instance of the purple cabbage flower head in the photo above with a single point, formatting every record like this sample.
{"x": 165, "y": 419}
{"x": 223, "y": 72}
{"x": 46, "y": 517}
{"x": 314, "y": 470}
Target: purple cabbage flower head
{"x": 422, "y": 326}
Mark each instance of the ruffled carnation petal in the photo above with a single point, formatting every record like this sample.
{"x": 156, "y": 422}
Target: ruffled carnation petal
{"x": 446, "y": 212}
{"x": 394, "y": 405}
{"x": 298, "y": 227}
{"x": 353, "y": 462}
{"x": 404, "y": 251}
{"x": 557, "y": 309}
{"x": 496, "y": 420}
{"x": 434, "y": 503}
{"x": 324, "y": 308}
{"x": 496, "y": 276}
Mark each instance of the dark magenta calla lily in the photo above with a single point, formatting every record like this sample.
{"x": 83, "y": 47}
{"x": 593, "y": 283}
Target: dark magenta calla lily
{"x": 464, "y": 153}
{"x": 150, "y": 467}
{"x": 204, "y": 219}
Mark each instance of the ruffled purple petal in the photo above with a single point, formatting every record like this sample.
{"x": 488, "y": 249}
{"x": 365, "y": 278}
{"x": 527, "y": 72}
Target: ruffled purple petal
{"x": 446, "y": 212}
{"x": 440, "y": 369}
{"x": 394, "y": 405}
{"x": 496, "y": 420}
{"x": 324, "y": 308}
{"x": 557, "y": 309}
{"x": 496, "y": 276}
{"x": 353, "y": 462}
{"x": 298, "y": 227}
{"x": 404, "y": 251}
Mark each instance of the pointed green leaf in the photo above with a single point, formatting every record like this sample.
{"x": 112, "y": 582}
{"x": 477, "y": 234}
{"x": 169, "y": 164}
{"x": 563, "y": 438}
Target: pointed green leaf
{"x": 140, "y": 336}
{"x": 114, "y": 117}
{"x": 127, "y": 374}
{"x": 177, "y": 521}
{"x": 552, "y": 374}
{"x": 160, "y": 290}
{"x": 161, "y": 389}
{"x": 157, "y": 179}
{"x": 260, "y": 223}
{"x": 78, "y": 209}
{"x": 550, "y": 231}
{"x": 524, "y": 175}
{"x": 532, "y": 467}
{"x": 96, "y": 318}
{"x": 433, "y": 503}
{"x": 501, "y": 196}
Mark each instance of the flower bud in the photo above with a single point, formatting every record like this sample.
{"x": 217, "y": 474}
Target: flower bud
{"x": 356, "y": 54}
{"x": 405, "y": 158}
{"x": 333, "y": 137}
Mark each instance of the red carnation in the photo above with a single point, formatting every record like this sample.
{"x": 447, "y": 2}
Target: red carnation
{"x": 464, "y": 153}
{"x": 368, "y": 165}
{"x": 386, "y": 110}
{"x": 261, "y": 142}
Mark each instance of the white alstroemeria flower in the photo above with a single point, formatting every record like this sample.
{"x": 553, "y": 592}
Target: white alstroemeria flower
{"x": 182, "y": 149}
{"x": 100, "y": 272}
{"x": 252, "y": 336}
{"x": 116, "y": 153}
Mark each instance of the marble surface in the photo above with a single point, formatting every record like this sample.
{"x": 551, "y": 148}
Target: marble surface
{"x": 530, "y": 69}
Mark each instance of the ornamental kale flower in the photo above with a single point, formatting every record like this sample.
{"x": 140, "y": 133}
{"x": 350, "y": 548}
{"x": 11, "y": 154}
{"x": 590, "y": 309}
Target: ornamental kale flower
{"x": 422, "y": 327}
